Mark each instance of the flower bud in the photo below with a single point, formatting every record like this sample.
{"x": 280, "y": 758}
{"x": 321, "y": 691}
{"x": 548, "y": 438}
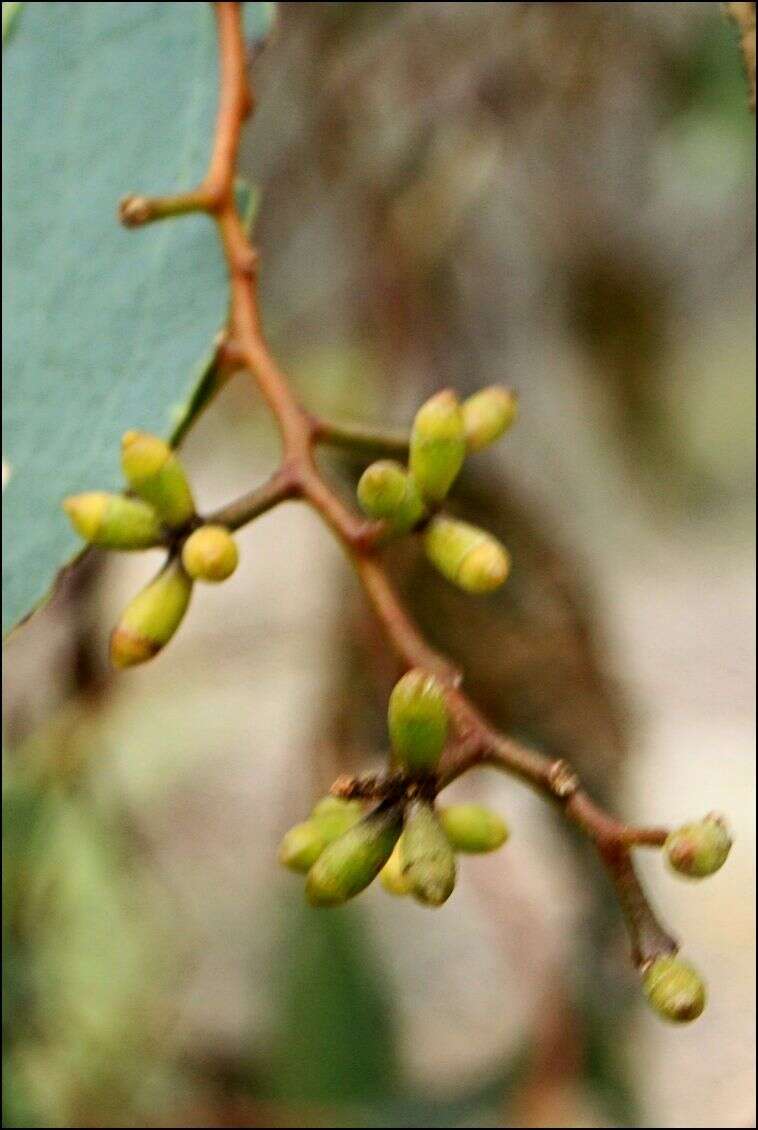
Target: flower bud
{"x": 301, "y": 847}
{"x": 428, "y": 861}
{"x": 418, "y": 721}
{"x": 354, "y": 860}
{"x": 438, "y": 445}
{"x": 469, "y": 557}
{"x": 472, "y": 829}
{"x": 210, "y": 554}
{"x": 334, "y": 815}
{"x": 149, "y": 622}
{"x": 392, "y": 876}
{"x": 487, "y": 414}
{"x": 699, "y": 849}
{"x": 386, "y": 490}
{"x": 154, "y": 472}
{"x": 674, "y": 989}
{"x": 113, "y": 521}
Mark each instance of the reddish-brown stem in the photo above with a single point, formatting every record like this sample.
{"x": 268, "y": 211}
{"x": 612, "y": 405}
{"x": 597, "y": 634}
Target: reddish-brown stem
{"x": 299, "y": 476}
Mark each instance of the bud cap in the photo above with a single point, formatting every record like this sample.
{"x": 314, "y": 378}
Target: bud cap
{"x": 387, "y": 491}
{"x": 418, "y": 720}
{"x": 467, "y": 556}
{"x": 470, "y": 828}
{"x": 392, "y": 876}
{"x": 699, "y": 849}
{"x": 674, "y": 989}
{"x": 149, "y": 622}
{"x": 353, "y": 861}
{"x": 487, "y": 414}
{"x": 112, "y": 521}
{"x": 155, "y": 473}
{"x": 210, "y": 554}
{"x": 438, "y": 445}
{"x": 428, "y": 861}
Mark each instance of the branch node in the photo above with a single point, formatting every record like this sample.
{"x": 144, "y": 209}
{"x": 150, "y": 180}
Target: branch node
{"x": 562, "y": 780}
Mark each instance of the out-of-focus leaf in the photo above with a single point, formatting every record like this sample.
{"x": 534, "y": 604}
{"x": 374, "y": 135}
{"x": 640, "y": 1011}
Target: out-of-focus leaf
{"x": 336, "y": 1042}
{"x": 103, "y": 329}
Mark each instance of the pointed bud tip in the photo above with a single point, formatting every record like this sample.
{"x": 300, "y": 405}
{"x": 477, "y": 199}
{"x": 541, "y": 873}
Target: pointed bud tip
{"x": 85, "y": 512}
{"x": 129, "y": 649}
{"x": 488, "y": 414}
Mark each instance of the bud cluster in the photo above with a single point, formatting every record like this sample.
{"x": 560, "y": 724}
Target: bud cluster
{"x": 406, "y": 840}
{"x": 158, "y": 511}
{"x": 408, "y": 498}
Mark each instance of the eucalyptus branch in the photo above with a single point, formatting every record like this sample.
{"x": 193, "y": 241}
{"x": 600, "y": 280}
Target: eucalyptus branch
{"x": 476, "y": 742}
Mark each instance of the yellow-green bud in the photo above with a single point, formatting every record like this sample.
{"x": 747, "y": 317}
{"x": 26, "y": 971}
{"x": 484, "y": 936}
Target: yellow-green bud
{"x": 113, "y": 521}
{"x": 154, "y": 472}
{"x": 391, "y": 876}
{"x": 487, "y": 414}
{"x": 210, "y": 554}
{"x": 418, "y": 721}
{"x": 350, "y": 863}
{"x": 438, "y": 445}
{"x": 469, "y": 557}
{"x": 386, "y": 490}
{"x": 428, "y": 861}
{"x": 301, "y": 847}
{"x": 674, "y": 989}
{"x": 473, "y": 829}
{"x": 334, "y": 815}
{"x": 699, "y": 849}
{"x": 149, "y": 622}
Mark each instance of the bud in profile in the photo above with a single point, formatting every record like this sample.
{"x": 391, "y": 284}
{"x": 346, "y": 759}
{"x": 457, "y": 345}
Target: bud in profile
{"x": 301, "y": 847}
{"x": 387, "y": 491}
{"x": 469, "y": 557}
{"x": 112, "y": 521}
{"x": 438, "y": 445}
{"x": 354, "y": 860}
{"x": 487, "y": 414}
{"x": 149, "y": 622}
{"x": 334, "y": 815}
{"x": 472, "y": 829}
{"x": 674, "y": 989}
{"x": 392, "y": 876}
{"x": 154, "y": 472}
{"x": 210, "y": 554}
{"x": 418, "y": 721}
{"x": 699, "y": 849}
{"x": 428, "y": 861}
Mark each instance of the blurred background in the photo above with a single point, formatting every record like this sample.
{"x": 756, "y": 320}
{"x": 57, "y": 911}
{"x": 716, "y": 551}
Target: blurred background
{"x": 555, "y": 196}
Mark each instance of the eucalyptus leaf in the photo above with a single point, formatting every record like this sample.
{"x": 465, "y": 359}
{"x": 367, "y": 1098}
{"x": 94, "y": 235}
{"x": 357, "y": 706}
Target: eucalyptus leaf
{"x": 104, "y": 329}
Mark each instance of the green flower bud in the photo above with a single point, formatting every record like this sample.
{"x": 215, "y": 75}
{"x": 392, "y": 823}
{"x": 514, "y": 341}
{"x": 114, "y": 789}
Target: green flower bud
{"x": 334, "y": 815}
{"x": 154, "y": 472}
{"x": 386, "y": 490}
{"x": 438, "y": 445}
{"x": 301, "y": 847}
{"x": 700, "y": 849}
{"x": 428, "y": 861}
{"x": 674, "y": 989}
{"x": 113, "y": 521}
{"x": 210, "y": 554}
{"x": 472, "y": 829}
{"x": 354, "y": 860}
{"x": 466, "y": 555}
{"x": 392, "y": 876}
{"x": 418, "y": 721}
{"x": 487, "y": 414}
{"x": 149, "y": 622}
